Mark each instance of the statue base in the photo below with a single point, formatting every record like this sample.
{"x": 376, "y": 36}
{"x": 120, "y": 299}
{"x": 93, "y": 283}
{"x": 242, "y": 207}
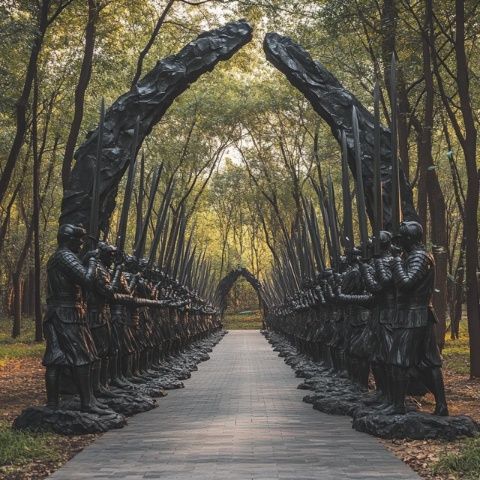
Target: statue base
{"x": 416, "y": 426}
{"x": 67, "y": 422}
{"x": 335, "y": 395}
{"x": 124, "y": 403}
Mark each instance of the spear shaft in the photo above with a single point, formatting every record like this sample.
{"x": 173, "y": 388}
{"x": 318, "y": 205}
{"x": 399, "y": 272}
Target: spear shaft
{"x": 140, "y": 246}
{"x": 347, "y": 199}
{"x": 95, "y": 202}
{"x": 396, "y": 200}
{"x": 377, "y": 184}
{"x": 127, "y": 199}
{"x": 361, "y": 207}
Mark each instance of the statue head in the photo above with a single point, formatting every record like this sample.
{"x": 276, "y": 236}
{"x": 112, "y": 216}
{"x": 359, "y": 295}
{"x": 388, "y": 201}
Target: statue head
{"x": 410, "y": 234}
{"x": 131, "y": 264}
{"x": 143, "y": 265}
{"x": 385, "y": 241}
{"x": 353, "y": 255}
{"x": 107, "y": 253}
{"x": 343, "y": 263}
{"x": 71, "y": 236}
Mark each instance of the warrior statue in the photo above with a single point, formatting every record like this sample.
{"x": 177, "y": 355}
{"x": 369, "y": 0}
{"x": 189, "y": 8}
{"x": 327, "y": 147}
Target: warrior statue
{"x": 98, "y": 312}
{"x": 68, "y": 339}
{"x": 120, "y": 334}
{"x": 352, "y": 293}
{"x": 378, "y": 280}
{"x": 414, "y": 345}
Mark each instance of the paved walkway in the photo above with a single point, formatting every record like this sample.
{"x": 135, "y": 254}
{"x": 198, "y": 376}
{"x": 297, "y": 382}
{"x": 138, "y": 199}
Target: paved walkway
{"x": 240, "y": 417}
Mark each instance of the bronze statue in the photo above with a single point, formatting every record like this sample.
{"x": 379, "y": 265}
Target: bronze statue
{"x": 69, "y": 343}
{"x": 414, "y": 344}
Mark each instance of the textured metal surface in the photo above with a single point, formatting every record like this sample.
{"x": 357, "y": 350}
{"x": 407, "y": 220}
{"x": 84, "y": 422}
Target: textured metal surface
{"x": 333, "y": 102}
{"x": 149, "y": 101}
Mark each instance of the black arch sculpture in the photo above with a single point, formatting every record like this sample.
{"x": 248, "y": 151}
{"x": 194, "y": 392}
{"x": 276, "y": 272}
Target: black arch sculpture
{"x": 333, "y": 102}
{"x": 225, "y": 285}
{"x": 149, "y": 101}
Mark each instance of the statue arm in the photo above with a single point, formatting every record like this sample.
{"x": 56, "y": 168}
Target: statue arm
{"x": 73, "y": 269}
{"x": 363, "y": 299}
{"x": 133, "y": 282}
{"x": 418, "y": 265}
{"x": 319, "y": 295}
{"x": 124, "y": 286}
{"x": 368, "y": 275}
{"x": 104, "y": 287}
{"x": 384, "y": 273}
{"x": 329, "y": 295}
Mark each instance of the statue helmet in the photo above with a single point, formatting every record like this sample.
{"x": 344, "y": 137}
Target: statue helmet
{"x": 411, "y": 231}
{"x": 385, "y": 239}
{"x": 67, "y": 232}
{"x": 131, "y": 263}
{"x": 106, "y": 248}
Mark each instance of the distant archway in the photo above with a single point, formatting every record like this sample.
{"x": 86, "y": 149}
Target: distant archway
{"x": 227, "y": 282}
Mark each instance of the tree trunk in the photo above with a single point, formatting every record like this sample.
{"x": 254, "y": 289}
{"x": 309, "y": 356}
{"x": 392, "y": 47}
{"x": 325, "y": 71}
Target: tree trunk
{"x": 35, "y": 286}
{"x": 148, "y": 46}
{"x": 435, "y": 194}
{"x": 22, "y": 102}
{"x": 17, "y": 304}
{"x": 422, "y": 198}
{"x": 83, "y": 81}
{"x": 458, "y": 294}
{"x": 17, "y": 278}
{"x": 27, "y": 294}
{"x": 471, "y": 201}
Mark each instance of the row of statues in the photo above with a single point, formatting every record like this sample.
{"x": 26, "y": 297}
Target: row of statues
{"x": 372, "y": 316}
{"x": 111, "y": 320}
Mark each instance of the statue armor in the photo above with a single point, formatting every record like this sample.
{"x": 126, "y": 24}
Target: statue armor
{"x": 68, "y": 339}
{"x": 98, "y": 310}
{"x": 414, "y": 341}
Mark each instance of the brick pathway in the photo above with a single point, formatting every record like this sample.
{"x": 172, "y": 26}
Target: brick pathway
{"x": 240, "y": 417}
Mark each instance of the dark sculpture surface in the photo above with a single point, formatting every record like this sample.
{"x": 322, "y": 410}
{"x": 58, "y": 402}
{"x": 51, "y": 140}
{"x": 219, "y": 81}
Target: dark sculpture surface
{"x": 119, "y": 329}
{"x": 149, "y": 101}
{"x": 338, "y": 396}
{"x": 333, "y": 102}
{"x": 227, "y": 282}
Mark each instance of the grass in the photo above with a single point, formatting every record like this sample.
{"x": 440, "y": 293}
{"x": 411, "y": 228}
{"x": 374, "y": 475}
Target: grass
{"x": 456, "y": 352}
{"x": 19, "y": 448}
{"x": 243, "y": 320}
{"x": 20, "y": 347}
{"x": 464, "y": 464}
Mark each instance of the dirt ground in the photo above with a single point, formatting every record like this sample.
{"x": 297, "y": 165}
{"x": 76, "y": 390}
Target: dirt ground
{"x": 463, "y": 397}
{"x": 22, "y": 385}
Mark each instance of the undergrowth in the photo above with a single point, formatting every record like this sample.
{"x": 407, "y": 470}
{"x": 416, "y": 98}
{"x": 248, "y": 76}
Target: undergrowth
{"x": 249, "y": 320}
{"x": 20, "y": 347}
{"x": 19, "y": 448}
{"x": 463, "y": 464}
{"x": 456, "y": 352}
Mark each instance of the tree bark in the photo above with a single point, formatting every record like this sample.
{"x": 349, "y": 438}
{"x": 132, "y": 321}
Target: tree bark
{"x": 17, "y": 280}
{"x": 472, "y": 197}
{"x": 80, "y": 90}
{"x": 148, "y": 46}
{"x": 389, "y": 36}
{"x": 22, "y": 102}
{"x": 436, "y": 198}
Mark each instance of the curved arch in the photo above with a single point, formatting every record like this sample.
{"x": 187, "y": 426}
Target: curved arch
{"x": 333, "y": 102}
{"x": 148, "y": 102}
{"x": 226, "y": 284}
